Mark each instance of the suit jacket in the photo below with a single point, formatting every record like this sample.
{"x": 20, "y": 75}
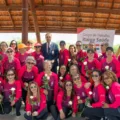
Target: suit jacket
{"x": 53, "y": 54}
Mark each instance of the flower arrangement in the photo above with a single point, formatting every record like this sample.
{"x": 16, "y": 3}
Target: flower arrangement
{"x": 87, "y": 101}
{"x": 70, "y": 103}
{"x": 46, "y": 79}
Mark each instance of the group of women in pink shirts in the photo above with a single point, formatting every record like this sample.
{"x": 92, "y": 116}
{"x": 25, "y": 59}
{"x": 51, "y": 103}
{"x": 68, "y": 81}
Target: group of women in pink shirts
{"x": 86, "y": 85}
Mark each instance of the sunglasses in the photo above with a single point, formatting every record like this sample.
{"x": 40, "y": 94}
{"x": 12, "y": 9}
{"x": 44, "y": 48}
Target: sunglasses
{"x": 102, "y": 45}
{"x": 106, "y": 78}
{"x": 37, "y": 46}
{"x": 77, "y": 78}
{"x": 95, "y": 75}
{"x": 9, "y": 51}
{"x": 30, "y": 63}
{"x": 32, "y": 87}
{"x": 11, "y": 74}
{"x": 78, "y": 45}
{"x": 68, "y": 85}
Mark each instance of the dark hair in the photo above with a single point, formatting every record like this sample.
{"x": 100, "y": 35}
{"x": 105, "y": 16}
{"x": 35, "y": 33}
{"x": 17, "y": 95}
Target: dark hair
{"x": 72, "y": 91}
{"x": 72, "y": 46}
{"x": 98, "y": 71}
{"x": 62, "y": 42}
{"x": 16, "y": 49}
{"x": 2, "y": 43}
{"x": 109, "y": 48}
{"x": 13, "y": 70}
{"x": 59, "y": 74}
{"x": 90, "y": 50}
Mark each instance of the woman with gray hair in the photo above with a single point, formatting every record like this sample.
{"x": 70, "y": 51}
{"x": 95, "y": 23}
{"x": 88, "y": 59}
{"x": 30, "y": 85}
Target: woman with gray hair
{"x": 27, "y": 73}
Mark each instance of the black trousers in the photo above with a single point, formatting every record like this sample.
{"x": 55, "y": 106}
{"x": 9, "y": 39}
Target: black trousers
{"x": 112, "y": 114}
{"x": 1, "y": 108}
{"x": 8, "y": 108}
{"x": 81, "y": 107}
{"x": 24, "y": 95}
{"x": 43, "y": 115}
{"x": 93, "y": 113}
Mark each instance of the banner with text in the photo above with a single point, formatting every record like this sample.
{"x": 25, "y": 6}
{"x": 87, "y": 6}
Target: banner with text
{"x": 95, "y": 36}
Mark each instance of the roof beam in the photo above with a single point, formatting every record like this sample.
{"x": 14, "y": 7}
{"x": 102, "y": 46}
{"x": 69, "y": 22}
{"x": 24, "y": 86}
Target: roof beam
{"x": 6, "y": 4}
{"x": 109, "y": 14}
{"x": 78, "y": 20}
{"x": 32, "y": 6}
{"x": 55, "y": 30}
{"x": 94, "y": 14}
{"x": 61, "y": 23}
{"x": 24, "y": 28}
{"x": 64, "y": 8}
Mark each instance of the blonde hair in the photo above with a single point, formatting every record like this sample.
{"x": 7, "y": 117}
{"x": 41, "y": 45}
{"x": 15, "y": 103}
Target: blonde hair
{"x": 110, "y": 75}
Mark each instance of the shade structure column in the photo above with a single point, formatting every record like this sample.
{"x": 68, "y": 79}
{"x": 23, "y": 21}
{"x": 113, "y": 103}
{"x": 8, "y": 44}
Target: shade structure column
{"x": 24, "y": 21}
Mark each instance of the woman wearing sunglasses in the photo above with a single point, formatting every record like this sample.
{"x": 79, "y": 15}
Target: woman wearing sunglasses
{"x": 11, "y": 62}
{"x": 67, "y": 101}
{"x": 112, "y": 104}
{"x": 12, "y": 93}
{"x": 37, "y": 54}
{"x": 111, "y": 63}
{"x": 94, "y": 110}
{"x": 27, "y": 73}
{"x": 36, "y": 107}
{"x": 64, "y": 54}
{"x": 82, "y": 91}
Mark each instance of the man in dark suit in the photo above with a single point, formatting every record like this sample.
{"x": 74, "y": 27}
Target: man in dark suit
{"x": 50, "y": 51}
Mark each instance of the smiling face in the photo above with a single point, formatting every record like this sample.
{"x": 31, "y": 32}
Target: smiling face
{"x": 47, "y": 66}
{"x": 109, "y": 53}
{"x": 95, "y": 77}
{"x": 107, "y": 80}
{"x": 30, "y": 63}
{"x": 68, "y": 86}
{"x": 73, "y": 70}
{"x": 13, "y": 44}
{"x": 10, "y": 53}
{"x": 37, "y": 48}
{"x": 33, "y": 88}
{"x": 3, "y": 46}
{"x": 90, "y": 55}
{"x": 76, "y": 80}
{"x": 48, "y": 37}
{"x": 10, "y": 75}
{"x": 62, "y": 70}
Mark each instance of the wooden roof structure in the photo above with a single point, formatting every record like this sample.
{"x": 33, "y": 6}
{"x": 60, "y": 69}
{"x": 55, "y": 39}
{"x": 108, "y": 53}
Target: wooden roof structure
{"x": 60, "y": 15}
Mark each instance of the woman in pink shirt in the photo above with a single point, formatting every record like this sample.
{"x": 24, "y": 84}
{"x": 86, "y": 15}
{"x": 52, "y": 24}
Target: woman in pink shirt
{"x": 112, "y": 104}
{"x": 111, "y": 63}
{"x": 11, "y": 62}
{"x": 90, "y": 64}
{"x": 36, "y": 107}
{"x": 27, "y": 73}
{"x": 12, "y": 93}
{"x": 82, "y": 91}
{"x": 37, "y": 54}
{"x": 62, "y": 75}
{"x": 94, "y": 109}
{"x": 67, "y": 101}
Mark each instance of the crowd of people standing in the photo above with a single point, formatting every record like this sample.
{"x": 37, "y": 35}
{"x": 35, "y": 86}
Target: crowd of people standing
{"x": 66, "y": 82}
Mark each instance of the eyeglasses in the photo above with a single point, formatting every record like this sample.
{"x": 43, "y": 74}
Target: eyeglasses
{"x": 95, "y": 75}
{"x": 68, "y": 85}
{"x": 10, "y": 74}
{"x": 37, "y": 46}
{"x": 77, "y": 78}
{"x": 30, "y": 63}
{"x": 32, "y": 87}
{"x": 9, "y": 51}
{"x": 78, "y": 45}
{"x": 102, "y": 45}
